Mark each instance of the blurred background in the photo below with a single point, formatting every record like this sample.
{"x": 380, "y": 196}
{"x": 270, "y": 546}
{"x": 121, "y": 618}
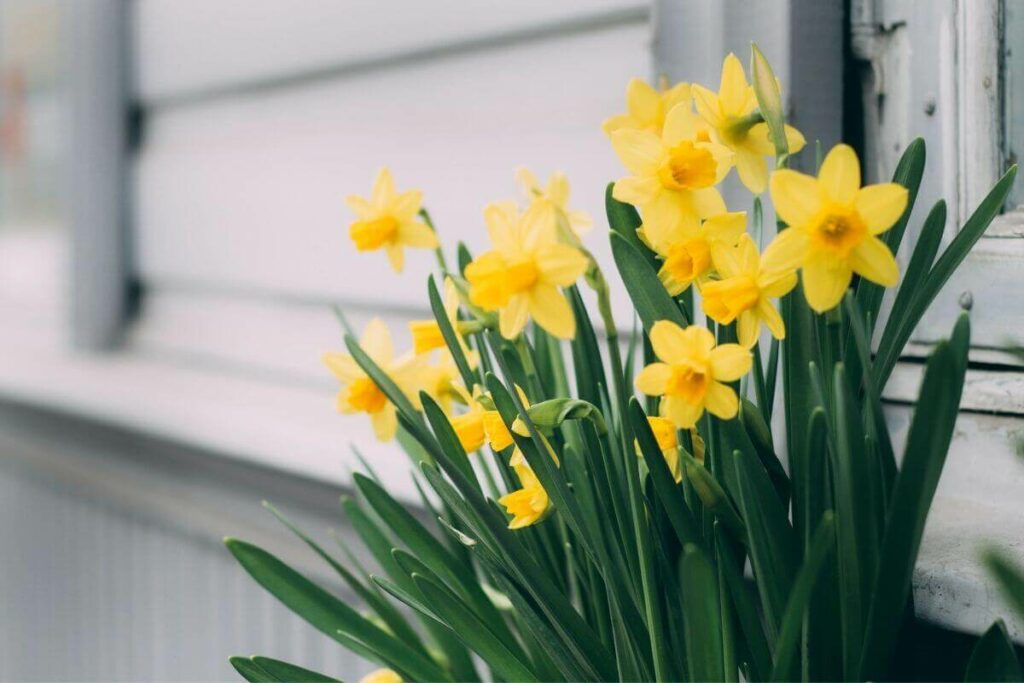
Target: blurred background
{"x": 173, "y": 236}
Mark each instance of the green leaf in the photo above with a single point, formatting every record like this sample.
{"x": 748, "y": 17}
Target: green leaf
{"x": 552, "y": 413}
{"x": 712, "y": 496}
{"x": 761, "y": 437}
{"x": 770, "y": 538}
{"x": 250, "y": 670}
{"x": 1010, "y": 578}
{"x": 473, "y": 632}
{"x": 994, "y": 657}
{"x": 387, "y": 386}
{"x": 769, "y": 99}
{"x": 786, "y": 649}
{"x": 747, "y": 612}
{"x": 665, "y": 486}
{"x": 931, "y": 430}
{"x": 331, "y": 616}
{"x": 283, "y": 671}
{"x": 624, "y": 220}
{"x": 451, "y": 337}
{"x": 702, "y": 616}
{"x": 652, "y": 302}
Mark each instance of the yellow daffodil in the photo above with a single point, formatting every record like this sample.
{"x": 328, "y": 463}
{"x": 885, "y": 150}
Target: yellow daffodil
{"x": 744, "y": 292}
{"x": 673, "y": 175}
{"x": 731, "y": 114}
{"x": 521, "y": 275}
{"x": 359, "y": 393}
{"x": 687, "y": 255}
{"x": 552, "y": 202}
{"x": 528, "y": 504}
{"x": 388, "y": 220}
{"x": 668, "y": 443}
{"x": 481, "y": 424}
{"x": 833, "y": 227}
{"x": 381, "y": 676}
{"x": 646, "y": 107}
{"x": 691, "y": 373}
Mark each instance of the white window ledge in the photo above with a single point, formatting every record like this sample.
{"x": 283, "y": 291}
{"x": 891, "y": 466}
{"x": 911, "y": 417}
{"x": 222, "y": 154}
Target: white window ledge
{"x": 293, "y": 427}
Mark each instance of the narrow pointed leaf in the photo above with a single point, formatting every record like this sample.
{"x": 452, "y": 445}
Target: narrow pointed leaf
{"x": 994, "y": 657}
{"x": 652, "y": 302}
{"x": 283, "y": 671}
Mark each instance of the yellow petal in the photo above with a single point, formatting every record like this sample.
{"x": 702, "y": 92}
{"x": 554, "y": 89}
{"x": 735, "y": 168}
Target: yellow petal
{"x": 776, "y": 283}
{"x": 826, "y": 278}
{"x": 385, "y": 423}
{"x": 513, "y": 317}
{"x": 680, "y": 124}
{"x": 753, "y": 170}
{"x": 670, "y": 341}
{"x": 726, "y": 260}
{"x": 560, "y": 264}
{"x": 528, "y": 181}
{"x": 788, "y": 250}
{"x": 770, "y": 317}
{"x": 617, "y": 122}
{"x": 643, "y": 101}
{"x": 558, "y": 189}
{"x": 670, "y": 213}
{"x": 640, "y": 151}
{"x": 407, "y": 204}
{"x": 343, "y": 366}
{"x": 360, "y": 206}
{"x": 416, "y": 234}
{"x": 794, "y": 139}
{"x": 376, "y": 342}
{"x": 653, "y": 379}
{"x": 707, "y": 202}
{"x": 707, "y": 105}
{"x": 677, "y": 94}
{"x": 396, "y": 257}
{"x": 721, "y": 401}
{"x": 682, "y": 413}
{"x": 795, "y": 196}
{"x": 880, "y": 206}
{"x": 725, "y": 228}
{"x": 551, "y": 311}
{"x": 729, "y": 362}
{"x": 839, "y": 176}
{"x": 636, "y": 190}
{"x": 501, "y": 219}
{"x": 873, "y": 260}
{"x": 383, "y": 189}
{"x": 748, "y": 328}
{"x": 758, "y": 140}
{"x": 733, "y": 90}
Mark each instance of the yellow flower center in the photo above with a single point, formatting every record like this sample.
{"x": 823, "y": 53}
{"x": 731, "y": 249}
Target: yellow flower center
{"x": 689, "y": 383}
{"x": 688, "y": 168}
{"x": 840, "y": 230}
{"x": 688, "y": 260}
{"x": 493, "y": 280}
{"x": 374, "y": 233}
{"x": 363, "y": 395}
{"x": 726, "y": 299}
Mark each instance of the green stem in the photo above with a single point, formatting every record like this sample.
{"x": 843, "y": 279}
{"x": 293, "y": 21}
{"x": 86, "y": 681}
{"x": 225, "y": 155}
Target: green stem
{"x": 442, "y": 263}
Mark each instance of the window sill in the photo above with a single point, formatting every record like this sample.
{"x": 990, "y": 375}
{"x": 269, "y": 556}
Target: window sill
{"x": 292, "y": 426}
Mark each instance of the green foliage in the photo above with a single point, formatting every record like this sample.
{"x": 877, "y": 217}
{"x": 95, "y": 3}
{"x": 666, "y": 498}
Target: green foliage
{"x": 633, "y": 575}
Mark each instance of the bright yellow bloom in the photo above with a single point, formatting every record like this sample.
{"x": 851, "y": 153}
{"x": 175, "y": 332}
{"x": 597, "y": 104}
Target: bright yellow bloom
{"x": 731, "y": 114}
{"x": 647, "y": 107}
{"x": 687, "y": 256}
{"x": 480, "y": 424}
{"x": 552, "y": 202}
{"x": 381, "y": 676}
{"x": 528, "y": 504}
{"x": 388, "y": 220}
{"x": 674, "y": 175}
{"x": 744, "y": 292}
{"x": 690, "y": 377}
{"x": 521, "y": 275}
{"x": 833, "y": 227}
{"x": 359, "y": 393}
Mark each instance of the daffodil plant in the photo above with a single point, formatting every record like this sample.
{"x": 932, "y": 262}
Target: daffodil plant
{"x": 713, "y": 496}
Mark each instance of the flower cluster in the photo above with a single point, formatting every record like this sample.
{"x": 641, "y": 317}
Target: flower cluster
{"x": 678, "y": 144}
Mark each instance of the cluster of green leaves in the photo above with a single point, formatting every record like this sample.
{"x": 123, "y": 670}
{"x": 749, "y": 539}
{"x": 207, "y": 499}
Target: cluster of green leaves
{"x": 636, "y": 577}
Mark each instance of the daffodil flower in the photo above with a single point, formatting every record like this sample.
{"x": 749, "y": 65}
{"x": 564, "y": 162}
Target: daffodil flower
{"x": 521, "y": 275}
{"x": 674, "y": 175}
{"x": 646, "y": 107}
{"x": 686, "y": 256}
{"x": 692, "y": 372}
{"x": 359, "y": 393}
{"x": 528, "y": 504}
{"x": 388, "y": 220}
{"x": 668, "y": 443}
{"x": 834, "y": 225}
{"x": 731, "y": 113}
{"x": 552, "y": 202}
{"x": 743, "y": 294}
{"x": 481, "y": 424}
